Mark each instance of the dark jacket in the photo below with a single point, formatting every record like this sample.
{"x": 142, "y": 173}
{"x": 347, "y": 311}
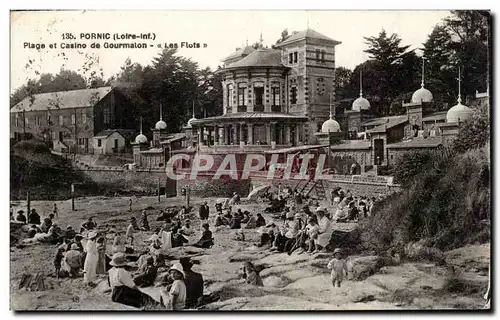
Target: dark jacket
{"x": 204, "y": 211}
{"x": 194, "y": 288}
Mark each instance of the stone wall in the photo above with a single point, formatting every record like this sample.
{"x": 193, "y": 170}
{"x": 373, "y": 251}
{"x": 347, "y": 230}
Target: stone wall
{"x": 359, "y": 186}
{"x": 132, "y": 180}
{"x": 205, "y": 186}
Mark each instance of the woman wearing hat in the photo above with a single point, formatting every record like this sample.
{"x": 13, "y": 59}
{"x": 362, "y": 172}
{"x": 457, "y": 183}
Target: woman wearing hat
{"x": 194, "y": 283}
{"x": 175, "y": 298}
{"x": 123, "y": 288}
{"x": 90, "y": 266}
{"x": 325, "y": 230}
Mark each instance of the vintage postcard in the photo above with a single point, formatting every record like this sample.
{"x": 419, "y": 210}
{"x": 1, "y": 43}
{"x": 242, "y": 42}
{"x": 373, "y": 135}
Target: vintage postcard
{"x": 250, "y": 160}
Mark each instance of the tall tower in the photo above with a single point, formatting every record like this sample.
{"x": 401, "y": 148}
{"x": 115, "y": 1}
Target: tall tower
{"x": 311, "y": 79}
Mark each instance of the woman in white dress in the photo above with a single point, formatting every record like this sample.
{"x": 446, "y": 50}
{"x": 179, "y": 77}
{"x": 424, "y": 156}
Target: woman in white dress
{"x": 90, "y": 266}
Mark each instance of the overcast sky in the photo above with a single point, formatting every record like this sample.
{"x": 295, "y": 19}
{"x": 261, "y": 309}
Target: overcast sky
{"x": 222, "y": 31}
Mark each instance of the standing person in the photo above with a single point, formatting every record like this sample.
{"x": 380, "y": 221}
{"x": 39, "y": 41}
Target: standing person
{"x": 338, "y": 267}
{"x": 312, "y": 230}
{"x": 58, "y": 260}
{"x": 204, "y": 211}
{"x": 123, "y": 288}
{"x": 176, "y": 296}
{"x": 130, "y": 230}
{"x": 130, "y": 204}
{"x": 90, "y": 265}
{"x": 55, "y": 212}
{"x": 144, "y": 221}
{"x": 21, "y": 217}
{"x": 194, "y": 284}
{"x": 101, "y": 252}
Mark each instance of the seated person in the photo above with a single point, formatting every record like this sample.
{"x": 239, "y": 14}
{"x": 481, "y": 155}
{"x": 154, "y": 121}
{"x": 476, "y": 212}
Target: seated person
{"x": 178, "y": 239}
{"x": 33, "y": 230}
{"x": 34, "y": 217}
{"x": 252, "y": 222}
{"x": 219, "y": 220}
{"x": 70, "y": 233}
{"x": 89, "y": 225}
{"x": 21, "y": 217}
{"x": 260, "y": 220}
{"x": 235, "y": 222}
{"x": 73, "y": 260}
{"x": 147, "y": 274}
{"x": 46, "y": 224}
{"x": 245, "y": 216}
{"x": 206, "y": 241}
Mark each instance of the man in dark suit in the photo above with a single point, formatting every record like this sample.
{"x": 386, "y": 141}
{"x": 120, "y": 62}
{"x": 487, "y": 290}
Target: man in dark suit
{"x": 204, "y": 211}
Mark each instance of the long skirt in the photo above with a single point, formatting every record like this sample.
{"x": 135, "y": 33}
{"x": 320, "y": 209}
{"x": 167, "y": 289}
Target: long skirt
{"x": 132, "y": 297}
{"x": 101, "y": 263}
{"x": 90, "y": 268}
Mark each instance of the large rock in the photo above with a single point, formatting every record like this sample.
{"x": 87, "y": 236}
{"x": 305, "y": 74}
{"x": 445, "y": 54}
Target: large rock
{"x": 419, "y": 251}
{"x": 363, "y": 267}
{"x": 346, "y": 239}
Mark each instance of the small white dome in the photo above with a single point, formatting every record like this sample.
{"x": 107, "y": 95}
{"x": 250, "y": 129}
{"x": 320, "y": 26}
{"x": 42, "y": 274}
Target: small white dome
{"x": 360, "y": 104}
{"x": 421, "y": 95}
{"x": 330, "y": 125}
{"x": 190, "y": 122}
{"x": 161, "y": 125}
{"x": 458, "y": 113}
{"x": 141, "y": 139}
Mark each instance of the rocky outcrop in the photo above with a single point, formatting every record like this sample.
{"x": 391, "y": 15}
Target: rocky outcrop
{"x": 361, "y": 268}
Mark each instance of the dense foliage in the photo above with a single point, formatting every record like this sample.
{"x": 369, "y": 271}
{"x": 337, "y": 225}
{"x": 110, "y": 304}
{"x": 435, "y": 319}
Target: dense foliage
{"x": 47, "y": 176}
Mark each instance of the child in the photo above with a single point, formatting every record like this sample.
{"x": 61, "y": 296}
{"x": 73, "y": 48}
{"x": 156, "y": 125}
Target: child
{"x": 56, "y": 213}
{"x": 130, "y": 230}
{"x": 312, "y": 230}
{"x": 338, "y": 266}
{"x": 176, "y": 296}
{"x": 58, "y": 260}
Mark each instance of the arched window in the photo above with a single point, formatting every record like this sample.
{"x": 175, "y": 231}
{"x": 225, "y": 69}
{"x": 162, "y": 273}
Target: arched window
{"x": 230, "y": 93}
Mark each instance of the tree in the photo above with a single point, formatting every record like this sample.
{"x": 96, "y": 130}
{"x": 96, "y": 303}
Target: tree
{"x": 385, "y": 49}
{"x": 469, "y": 30}
{"x": 440, "y": 69}
{"x": 342, "y": 79}
{"x": 474, "y": 132}
{"x": 390, "y": 59}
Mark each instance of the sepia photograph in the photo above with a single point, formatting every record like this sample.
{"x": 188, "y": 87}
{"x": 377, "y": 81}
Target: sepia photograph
{"x": 250, "y": 160}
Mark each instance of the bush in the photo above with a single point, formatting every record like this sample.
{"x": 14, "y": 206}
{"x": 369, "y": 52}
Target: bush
{"x": 445, "y": 197}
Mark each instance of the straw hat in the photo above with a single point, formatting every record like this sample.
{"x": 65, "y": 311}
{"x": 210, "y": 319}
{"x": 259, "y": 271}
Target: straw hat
{"x": 118, "y": 260}
{"x": 92, "y": 235}
{"x": 337, "y": 250}
{"x": 74, "y": 246}
{"x": 320, "y": 209}
{"x": 178, "y": 267}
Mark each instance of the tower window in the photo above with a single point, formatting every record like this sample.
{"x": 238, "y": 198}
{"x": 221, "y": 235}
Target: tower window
{"x": 290, "y": 59}
{"x": 84, "y": 117}
{"x": 241, "y": 94}
{"x": 317, "y": 54}
{"x": 61, "y": 121}
{"x": 17, "y": 120}
{"x": 323, "y": 55}
{"x": 276, "y": 96}
{"x": 295, "y": 57}
{"x": 293, "y": 96}
{"x": 230, "y": 96}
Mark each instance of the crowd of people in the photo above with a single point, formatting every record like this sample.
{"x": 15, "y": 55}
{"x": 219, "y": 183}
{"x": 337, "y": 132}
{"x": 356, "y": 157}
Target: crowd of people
{"x": 299, "y": 224}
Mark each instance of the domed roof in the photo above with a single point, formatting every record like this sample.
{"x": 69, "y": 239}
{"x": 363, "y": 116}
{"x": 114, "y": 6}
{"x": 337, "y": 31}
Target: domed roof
{"x": 330, "y": 125}
{"x": 458, "y": 113}
{"x": 360, "y": 104}
{"x": 141, "y": 139}
{"x": 160, "y": 125}
{"x": 421, "y": 95}
{"x": 190, "y": 122}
